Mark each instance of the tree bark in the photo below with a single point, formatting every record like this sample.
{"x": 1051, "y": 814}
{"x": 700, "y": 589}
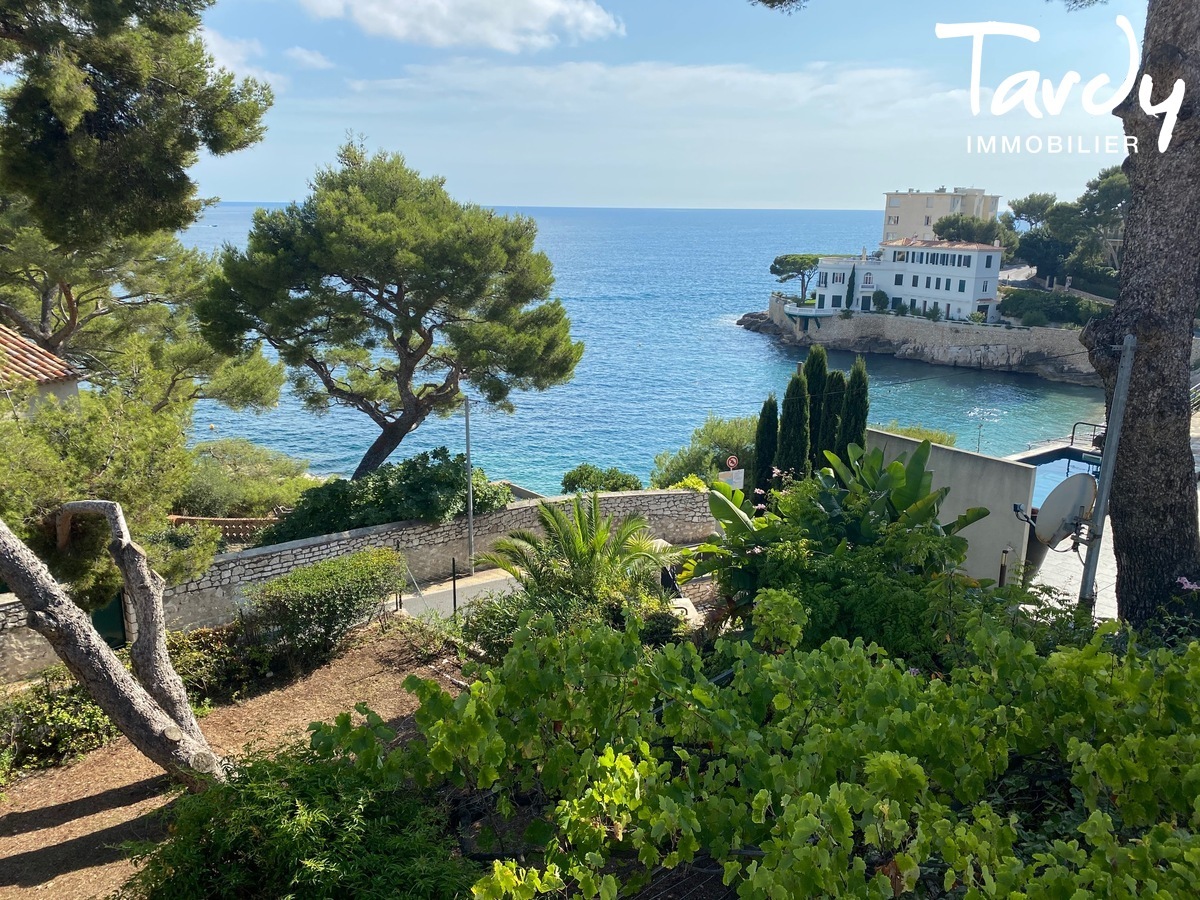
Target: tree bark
{"x": 383, "y": 447}
{"x": 178, "y": 747}
{"x": 148, "y": 654}
{"x": 1153, "y": 508}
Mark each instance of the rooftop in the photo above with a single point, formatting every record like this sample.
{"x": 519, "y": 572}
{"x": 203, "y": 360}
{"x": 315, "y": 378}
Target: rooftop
{"x": 23, "y": 360}
{"x": 939, "y": 245}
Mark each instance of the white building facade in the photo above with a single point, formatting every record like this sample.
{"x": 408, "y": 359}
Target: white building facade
{"x": 956, "y": 277}
{"x": 913, "y": 213}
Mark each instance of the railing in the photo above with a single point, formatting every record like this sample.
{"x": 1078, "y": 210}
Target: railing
{"x": 235, "y": 531}
{"x": 1096, "y": 437}
{"x": 1196, "y": 397}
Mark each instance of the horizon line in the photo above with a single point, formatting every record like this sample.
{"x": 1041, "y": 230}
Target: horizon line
{"x": 620, "y": 208}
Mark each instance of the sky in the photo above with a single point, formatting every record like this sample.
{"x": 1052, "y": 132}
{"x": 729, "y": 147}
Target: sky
{"x": 663, "y": 103}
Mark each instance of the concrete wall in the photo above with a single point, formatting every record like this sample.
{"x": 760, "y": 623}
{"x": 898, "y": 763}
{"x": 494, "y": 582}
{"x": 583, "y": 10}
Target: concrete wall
{"x": 975, "y": 480}
{"x": 681, "y": 517}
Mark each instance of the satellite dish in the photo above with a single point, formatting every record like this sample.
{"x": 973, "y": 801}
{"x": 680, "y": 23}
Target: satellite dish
{"x": 1068, "y": 504}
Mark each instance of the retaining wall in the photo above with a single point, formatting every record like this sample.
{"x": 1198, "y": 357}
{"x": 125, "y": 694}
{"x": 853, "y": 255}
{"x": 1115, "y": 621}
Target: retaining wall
{"x": 681, "y": 517}
{"x": 1051, "y": 353}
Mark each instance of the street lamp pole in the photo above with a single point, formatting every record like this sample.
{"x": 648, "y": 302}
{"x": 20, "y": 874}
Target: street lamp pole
{"x": 470, "y": 493}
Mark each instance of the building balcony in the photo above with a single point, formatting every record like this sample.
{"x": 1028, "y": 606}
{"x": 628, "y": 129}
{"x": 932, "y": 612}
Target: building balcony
{"x": 807, "y": 310}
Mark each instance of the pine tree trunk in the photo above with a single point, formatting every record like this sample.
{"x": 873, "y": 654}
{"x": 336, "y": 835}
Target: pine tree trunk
{"x": 383, "y": 447}
{"x": 178, "y": 747}
{"x": 1153, "y": 508}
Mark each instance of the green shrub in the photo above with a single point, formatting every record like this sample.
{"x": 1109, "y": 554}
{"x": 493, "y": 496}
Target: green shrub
{"x": 586, "y": 479}
{"x": 1035, "y": 319}
{"x": 1057, "y": 307}
{"x": 921, "y": 433}
{"x": 304, "y": 615}
{"x": 183, "y": 553}
{"x": 238, "y": 479}
{"x": 691, "y": 483}
{"x": 220, "y": 664}
{"x": 431, "y": 487}
{"x": 303, "y": 822}
{"x": 50, "y": 723}
{"x": 711, "y": 445}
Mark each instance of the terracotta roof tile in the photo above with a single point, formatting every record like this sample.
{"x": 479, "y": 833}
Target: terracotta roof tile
{"x": 23, "y": 360}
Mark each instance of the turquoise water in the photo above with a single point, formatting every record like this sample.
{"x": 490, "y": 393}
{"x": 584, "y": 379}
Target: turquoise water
{"x": 654, "y": 295}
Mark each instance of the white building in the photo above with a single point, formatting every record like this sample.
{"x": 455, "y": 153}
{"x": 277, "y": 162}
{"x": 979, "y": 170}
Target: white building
{"x": 913, "y": 213}
{"x": 957, "y": 277}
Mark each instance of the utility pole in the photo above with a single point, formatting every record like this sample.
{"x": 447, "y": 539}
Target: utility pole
{"x": 1108, "y": 464}
{"x": 470, "y": 493}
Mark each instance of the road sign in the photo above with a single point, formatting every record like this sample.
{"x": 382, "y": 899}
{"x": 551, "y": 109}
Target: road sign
{"x": 731, "y": 463}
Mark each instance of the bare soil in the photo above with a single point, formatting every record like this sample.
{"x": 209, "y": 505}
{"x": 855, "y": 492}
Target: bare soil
{"x": 61, "y": 830}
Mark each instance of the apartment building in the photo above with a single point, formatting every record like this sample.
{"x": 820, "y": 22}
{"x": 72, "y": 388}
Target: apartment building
{"x": 912, "y": 213}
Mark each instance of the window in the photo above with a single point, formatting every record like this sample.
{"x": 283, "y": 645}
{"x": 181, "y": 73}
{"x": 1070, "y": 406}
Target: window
{"x": 837, "y": 301}
{"x": 929, "y": 203}
{"x": 894, "y": 201}
{"x": 938, "y": 286}
{"x": 913, "y": 304}
{"x": 988, "y": 261}
{"x": 966, "y": 262}
{"x": 924, "y": 306}
{"x": 985, "y": 286}
{"x": 928, "y": 282}
{"x": 868, "y": 280}
{"x": 823, "y": 279}
{"x": 928, "y": 220}
{"x": 899, "y": 278}
{"x": 820, "y": 301}
{"x": 893, "y": 220}
{"x": 891, "y": 236}
{"x": 962, "y": 285}
{"x": 839, "y": 277}
{"x": 916, "y": 278}
{"x": 947, "y": 310}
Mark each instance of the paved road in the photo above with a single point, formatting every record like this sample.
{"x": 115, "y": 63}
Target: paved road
{"x": 439, "y": 598}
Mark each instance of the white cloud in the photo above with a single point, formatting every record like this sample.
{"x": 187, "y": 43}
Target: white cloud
{"x": 309, "y": 59}
{"x": 238, "y": 55}
{"x": 508, "y": 25}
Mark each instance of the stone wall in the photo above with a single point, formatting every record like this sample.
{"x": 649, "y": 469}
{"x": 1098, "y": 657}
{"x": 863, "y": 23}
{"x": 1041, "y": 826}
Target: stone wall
{"x": 22, "y": 650}
{"x": 681, "y": 517}
{"x": 1051, "y": 353}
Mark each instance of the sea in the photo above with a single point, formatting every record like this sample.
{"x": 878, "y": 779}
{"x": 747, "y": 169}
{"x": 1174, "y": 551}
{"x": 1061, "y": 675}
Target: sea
{"x": 655, "y": 295}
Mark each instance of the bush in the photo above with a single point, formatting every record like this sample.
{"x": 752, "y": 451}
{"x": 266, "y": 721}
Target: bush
{"x": 691, "y": 483}
{"x": 880, "y": 300}
{"x": 183, "y": 553}
{"x": 239, "y": 479}
{"x": 431, "y": 487}
{"x": 921, "y": 433}
{"x": 1045, "y": 306}
{"x": 846, "y": 314}
{"x": 1035, "y": 319}
{"x": 711, "y": 445}
{"x": 305, "y": 822}
{"x": 586, "y": 479}
{"x": 902, "y": 310}
{"x": 50, "y": 723}
{"x": 303, "y": 616}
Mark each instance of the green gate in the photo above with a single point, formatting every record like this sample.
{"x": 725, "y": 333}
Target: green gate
{"x": 109, "y": 621}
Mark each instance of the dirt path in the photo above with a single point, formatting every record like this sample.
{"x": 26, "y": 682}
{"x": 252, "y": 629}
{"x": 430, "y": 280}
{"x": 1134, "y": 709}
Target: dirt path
{"x": 61, "y": 830}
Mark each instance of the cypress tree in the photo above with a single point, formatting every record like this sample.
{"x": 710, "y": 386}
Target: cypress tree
{"x": 816, "y": 371}
{"x": 856, "y": 406}
{"x": 792, "y": 454}
{"x": 851, "y": 284}
{"x": 831, "y": 411}
{"x": 766, "y": 442}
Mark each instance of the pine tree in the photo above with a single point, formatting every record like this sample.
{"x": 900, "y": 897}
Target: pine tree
{"x": 792, "y": 453}
{"x": 766, "y": 442}
{"x": 831, "y": 411}
{"x": 855, "y": 408}
{"x": 816, "y": 371}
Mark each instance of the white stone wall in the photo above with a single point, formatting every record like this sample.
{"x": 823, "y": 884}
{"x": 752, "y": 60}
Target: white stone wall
{"x": 681, "y": 517}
